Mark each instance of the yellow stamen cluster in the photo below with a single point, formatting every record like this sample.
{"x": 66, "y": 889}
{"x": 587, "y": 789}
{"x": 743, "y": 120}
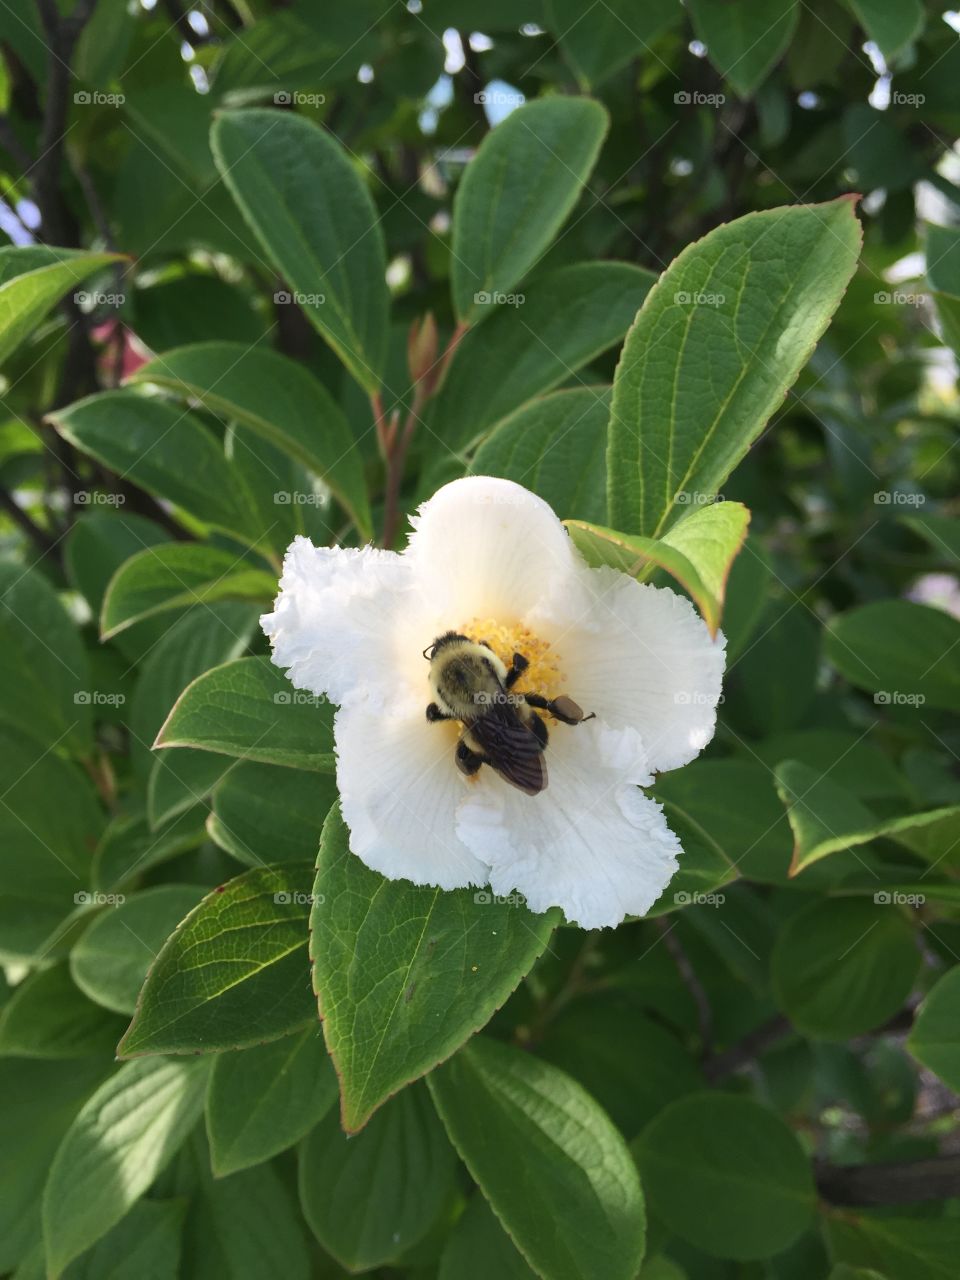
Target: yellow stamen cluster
{"x": 543, "y": 674}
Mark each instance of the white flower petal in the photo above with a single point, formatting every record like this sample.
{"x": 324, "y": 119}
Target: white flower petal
{"x": 591, "y": 843}
{"x": 399, "y": 790}
{"x": 484, "y": 547}
{"x": 641, "y": 656}
{"x": 345, "y": 623}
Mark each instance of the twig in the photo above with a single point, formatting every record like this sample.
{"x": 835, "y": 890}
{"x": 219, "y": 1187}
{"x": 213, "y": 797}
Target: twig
{"x": 746, "y": 1050}
{"x": 689, "y": 976}
{"x": 39, "y": 537}
{"x": 909, "y": 1182}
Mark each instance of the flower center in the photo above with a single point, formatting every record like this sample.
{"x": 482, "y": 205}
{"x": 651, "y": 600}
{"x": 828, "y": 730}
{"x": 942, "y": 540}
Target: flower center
{"x": 543, "y": 675}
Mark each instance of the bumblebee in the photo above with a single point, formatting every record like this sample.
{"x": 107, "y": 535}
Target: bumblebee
{"x": 502, "y": 729}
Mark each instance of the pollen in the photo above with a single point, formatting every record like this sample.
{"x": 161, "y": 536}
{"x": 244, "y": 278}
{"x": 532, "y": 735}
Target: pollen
{"x": 543, "y": 674}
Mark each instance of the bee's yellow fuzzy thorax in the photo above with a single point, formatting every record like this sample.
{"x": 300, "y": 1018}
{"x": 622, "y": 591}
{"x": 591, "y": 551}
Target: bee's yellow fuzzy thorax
{"x": 543, "y": 674}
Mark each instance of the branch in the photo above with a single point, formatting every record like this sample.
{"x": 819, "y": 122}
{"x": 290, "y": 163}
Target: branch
{"x": 689, "y": 976}
{"x": 746, "y": 1050}
{"x": 38, "y": 536}
{"x": 910, "y": 1182}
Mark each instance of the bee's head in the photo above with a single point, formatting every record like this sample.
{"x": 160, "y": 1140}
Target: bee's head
{"x": 441, "y": 642}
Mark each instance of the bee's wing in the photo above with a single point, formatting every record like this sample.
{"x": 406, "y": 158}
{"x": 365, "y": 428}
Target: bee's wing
{"x": 513, "y": 751}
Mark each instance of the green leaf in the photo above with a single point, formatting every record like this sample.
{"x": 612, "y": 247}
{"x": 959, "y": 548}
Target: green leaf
{"x": 717, "y": 343}
{"x": 943, "y": 258}
{"x": 164, "y": 450}
{"x": 941, "y": 532}
{"x": 38, "y": 1101}
{"x": 280, "y": 400}
{"x": 698, "y": 553}
{"x": 121, "y": 1140}
{"x": 890, "y": 26}
{"x": 94, "y": 549}
{"x": 825, "y": 818}
{"x": 98, "y": 544}
{"x": 516, "y": 194}
{"x": 248, "y": 708}
{"x": 935, "y": 1038}
{"x": 899, "y": 1248}
{"x": 179, "y": 780}
{"x": 44, "y": 847}
{"x": 747, "y": 591}
{"x": 317, "y": 224}
{"x": 757, "y": 695}
{"x": 111, "y": 959}
{"x": 45, "y": 687}
{"x": 205, "y": 636}
{"x": 129, "y": 848}
{"x": 556, "y": 446}
{"x": 144, "y": 1245}
{"x": 614, "y": 34}
{"x": 49, "y": 1017}
{"x": 177, "y": 575}
{"x": 750, "y": 838}
{"x": 402, "y": 1164}
{"x": 727, "y": 1175}
{"x": 32, "y": 280}
{"x": 245, "y": 1227}
{"x": 631, "y": 1064}
{"x": 744, "y": 38}
{"x": 263, "y": 813}
{"x": 405, "y": 973}
{"x": 905, "y": 654}
{"x": 478, "y": 1248}
{"x": 567, "y": 318}
{"x": 841, "y": 966}
{"x": 263, "y": 1100}
{"x": 235, "y": 971}
{"x": 556, "y": 1172}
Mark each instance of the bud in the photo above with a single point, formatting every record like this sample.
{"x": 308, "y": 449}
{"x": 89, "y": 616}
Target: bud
{"x": 422, "y": 351}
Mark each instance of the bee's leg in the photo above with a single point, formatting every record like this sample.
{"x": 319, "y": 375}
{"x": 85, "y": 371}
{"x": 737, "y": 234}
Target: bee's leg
{"x": 468, "y": 762}
{"x": 563, "y": 708}
{"x": 539, "y": 729}
{"x": 517, "y": 668}
{"x": 434, "y": 713}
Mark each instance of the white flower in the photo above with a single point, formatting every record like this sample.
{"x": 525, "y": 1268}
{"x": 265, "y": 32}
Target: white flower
{"x": 490, "y": 560}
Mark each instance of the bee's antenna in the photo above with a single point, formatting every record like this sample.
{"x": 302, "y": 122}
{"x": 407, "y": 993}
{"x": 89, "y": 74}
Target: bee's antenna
{"x": 428, "y": 651}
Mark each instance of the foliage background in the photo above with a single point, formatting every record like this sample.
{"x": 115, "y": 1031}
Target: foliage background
{"x": 757, "y": 1041}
